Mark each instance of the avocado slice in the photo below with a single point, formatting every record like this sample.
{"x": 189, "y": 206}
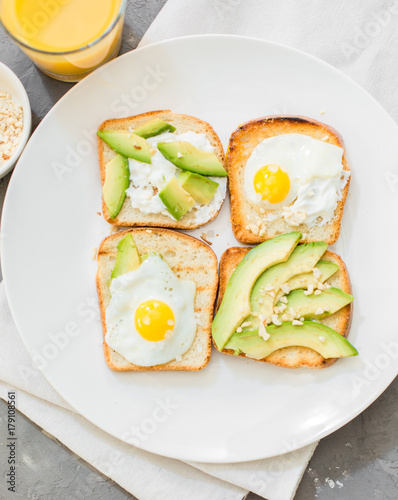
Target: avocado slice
{"x": 153, "y": 127}
{"x": 177, "y": 201}
{"x": 302, "y": 260}
{"x": 186, "y": 156}
{"x": 202, "y": 189}
{"x": 235, "y": 305}
{"x": 322, "y": 339}
{"x": 127, "y": 258}
{"x": 126, "y": 144}
{"x": 330, "y": 301}
{"x": 305, "y": 280}
{"x": 117, "y": 180}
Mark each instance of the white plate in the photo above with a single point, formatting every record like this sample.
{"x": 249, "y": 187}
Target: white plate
{"x": 235, "y": 409}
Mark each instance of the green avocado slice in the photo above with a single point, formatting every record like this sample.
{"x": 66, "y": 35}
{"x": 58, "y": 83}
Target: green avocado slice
{"x": 235, "y": 306}
{"x": 127, "y": 257}
{"x": 306, "y": 306}
{"x": 126, "y": 144}
{"x": 153, "y": 127}
{"x": 186, "y": 156}
{"x": 302, "y": 260}
{"x": 117, "y": 180}
{"x": 202, "y": 189}
{"x": 322, "y": 339}
{"x": 174, "y": 197}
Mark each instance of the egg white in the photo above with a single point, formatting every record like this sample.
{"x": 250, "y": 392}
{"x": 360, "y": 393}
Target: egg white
{"x": 147, "y": 179}
{"x": 152, "y": 280}
{"x": 307, "y": 161}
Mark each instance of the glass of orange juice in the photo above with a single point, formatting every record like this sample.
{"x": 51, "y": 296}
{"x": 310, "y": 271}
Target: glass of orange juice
{"x": 66, "y": 39}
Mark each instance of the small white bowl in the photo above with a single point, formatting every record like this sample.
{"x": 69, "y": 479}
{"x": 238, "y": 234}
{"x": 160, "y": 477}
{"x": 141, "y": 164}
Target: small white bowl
{"x": 10, "y": 83}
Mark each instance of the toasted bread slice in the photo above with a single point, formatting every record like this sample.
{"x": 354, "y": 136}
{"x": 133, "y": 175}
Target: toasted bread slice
{"x": 200, "y": 267}
{"x": 129, "y": 216}
{"x": 247, "y": 220}
{"x": 295, "y": 357}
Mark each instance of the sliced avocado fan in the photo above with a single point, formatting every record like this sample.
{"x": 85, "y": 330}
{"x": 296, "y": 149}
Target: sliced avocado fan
{"x": 235, "y": 305}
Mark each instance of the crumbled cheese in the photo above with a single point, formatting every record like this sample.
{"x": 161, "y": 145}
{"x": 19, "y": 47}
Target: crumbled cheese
{"x": 262, "y": 211}
{"x": 269, "y": 288}
{"x": 322, "y": 339}
{"x": 283, "y": 299}
{"x": 11, "y": 125}
{"x": 272, "y": 294}
{"x": 179, "y": 155}
{"x": 238, "y": 330}
{"x": 319, "y": 311}
{"x": 170, "y": 322}
{"x": 246, "y": 323}
{"x": 317, "y": 292}
{"x": 261, "y": 301}
{"x": 285, "y": 317}
{"x": 282, "y": 307}
{"x": 295, "y": 322}
{"x": 292, "y": 312}
{"x": 302, "y": 318}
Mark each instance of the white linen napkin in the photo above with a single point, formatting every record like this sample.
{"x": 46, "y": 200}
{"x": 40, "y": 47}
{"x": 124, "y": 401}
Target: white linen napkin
{"x": 354, "y": 36}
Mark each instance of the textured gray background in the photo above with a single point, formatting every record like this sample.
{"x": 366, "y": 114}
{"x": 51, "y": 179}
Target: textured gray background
{"x": 358, "y": 462}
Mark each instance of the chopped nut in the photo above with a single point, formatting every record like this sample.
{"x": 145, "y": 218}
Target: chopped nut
{"x": 317, "y": 273}
{"x": 310, "y": 289}
{"x": 275, "y": 320}
{"x": 11, "y": 123}
{"x": 94, "y": 252}
{"x": 295, "y": 322}
{"x": 205, "y": 239}
{"x": 263, "y": 332}
{"x": 246, "y": 323}
{"x": 285, "y": 288}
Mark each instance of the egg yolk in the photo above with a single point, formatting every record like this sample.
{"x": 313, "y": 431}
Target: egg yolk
{"x": 272, "y": 183}
{"x": 154, "y": 320}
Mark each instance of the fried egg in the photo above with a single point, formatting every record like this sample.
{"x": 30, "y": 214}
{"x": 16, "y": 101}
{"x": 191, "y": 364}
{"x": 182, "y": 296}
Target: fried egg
{"x": 147, "y": 179}
{"x": 150, "y": 319}
{"x": 295, "y": 168}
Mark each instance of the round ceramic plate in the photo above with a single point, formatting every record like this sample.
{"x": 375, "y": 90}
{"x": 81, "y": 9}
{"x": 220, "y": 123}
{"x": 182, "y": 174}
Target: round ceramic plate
{"x": 234, "y": 409}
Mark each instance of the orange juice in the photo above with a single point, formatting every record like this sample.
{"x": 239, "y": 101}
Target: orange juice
{"x": 65, "y": 38}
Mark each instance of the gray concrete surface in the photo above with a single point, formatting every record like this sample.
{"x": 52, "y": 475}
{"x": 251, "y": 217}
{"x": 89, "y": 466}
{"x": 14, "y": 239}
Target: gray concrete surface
{"x": 358, "y": 462}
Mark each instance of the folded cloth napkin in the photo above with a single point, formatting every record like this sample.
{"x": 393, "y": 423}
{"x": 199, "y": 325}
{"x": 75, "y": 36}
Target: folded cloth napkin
{"x": 143, "y": 474}
{"x": 357, "y": 38}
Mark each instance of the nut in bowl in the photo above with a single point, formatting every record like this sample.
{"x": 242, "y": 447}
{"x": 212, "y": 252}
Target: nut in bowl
{"x": 15, "y": 119}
